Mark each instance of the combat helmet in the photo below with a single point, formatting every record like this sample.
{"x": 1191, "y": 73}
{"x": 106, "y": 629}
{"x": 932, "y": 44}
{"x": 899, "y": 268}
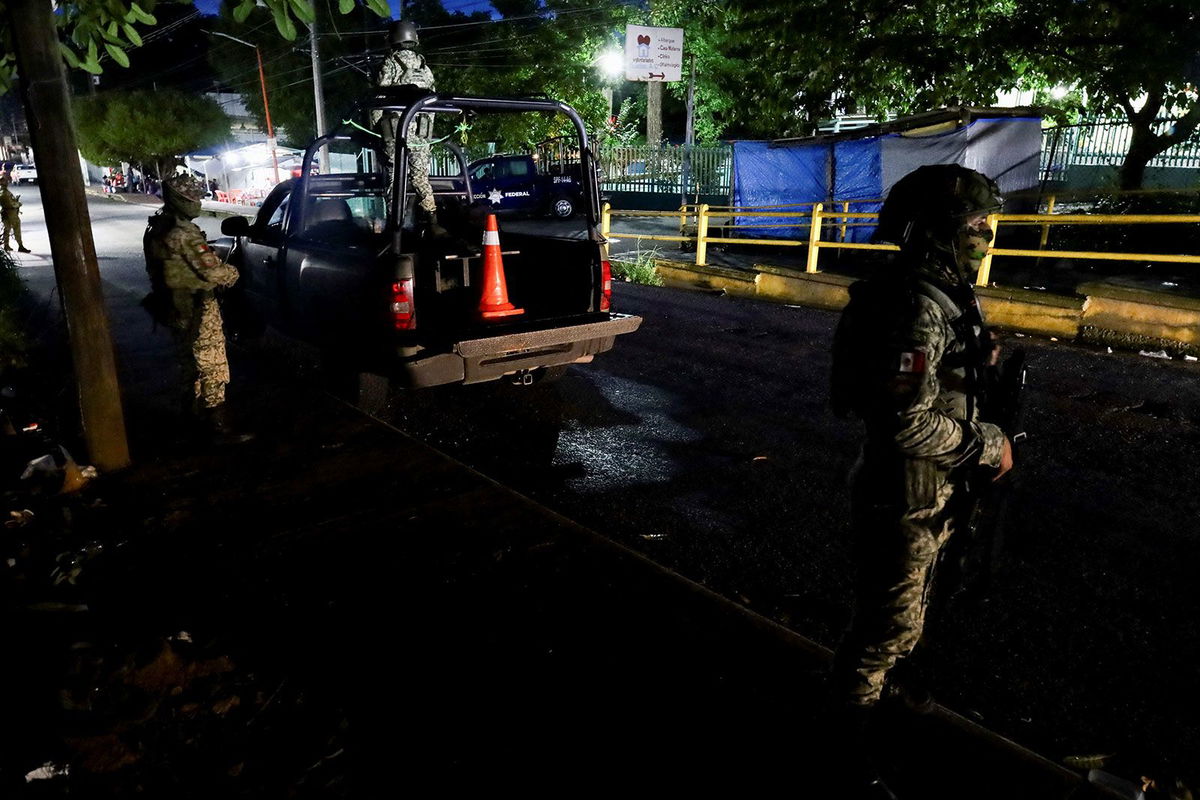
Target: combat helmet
{"x": 402, "y": 33}
{"x": 936, "y": 200}
{"x": 182, "y": 194}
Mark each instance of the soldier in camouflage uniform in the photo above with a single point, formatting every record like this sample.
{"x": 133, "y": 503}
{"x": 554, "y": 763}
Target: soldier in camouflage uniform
{"x": 404, "y": 66}
{"x": 184, "y": 272}
{"x": 908, "y": 356}
{"x": 10, "y": 213}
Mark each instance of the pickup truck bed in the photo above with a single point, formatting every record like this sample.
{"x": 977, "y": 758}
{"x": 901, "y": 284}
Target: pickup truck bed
{"x": 329, "y": 260}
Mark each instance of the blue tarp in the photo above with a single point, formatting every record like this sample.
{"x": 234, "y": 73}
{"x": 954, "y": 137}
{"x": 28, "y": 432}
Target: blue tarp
{"x": 1006, "y": 149}
{"x": 858, "y": 175}
{"x": 777, "y": 176}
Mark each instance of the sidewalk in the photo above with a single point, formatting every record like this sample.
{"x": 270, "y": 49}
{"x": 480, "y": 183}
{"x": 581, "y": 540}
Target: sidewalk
{"x": 210, "y": 207}
{"x": 336, "y": 607}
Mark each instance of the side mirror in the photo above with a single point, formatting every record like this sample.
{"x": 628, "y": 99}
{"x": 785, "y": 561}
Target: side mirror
{"x": 235, "y": 226}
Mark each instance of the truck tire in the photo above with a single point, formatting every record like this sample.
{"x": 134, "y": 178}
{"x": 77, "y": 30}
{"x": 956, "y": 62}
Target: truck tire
{"x": 366, "y": 391}
{"x": 372, "y": 393}
{"x": 563, "y": 207}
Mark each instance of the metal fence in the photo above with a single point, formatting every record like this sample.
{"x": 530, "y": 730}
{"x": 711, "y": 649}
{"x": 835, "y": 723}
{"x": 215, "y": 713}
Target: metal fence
{"x": 663, "y": 169}
{"x": 1104, "y": 143}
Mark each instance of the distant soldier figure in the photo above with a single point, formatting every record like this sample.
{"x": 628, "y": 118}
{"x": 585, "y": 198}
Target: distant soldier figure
{"x": 10, "y": 213}
{"x": 909, "y": 357}
{"x": 184, "y": 272}
{"x": 405, "y": 66}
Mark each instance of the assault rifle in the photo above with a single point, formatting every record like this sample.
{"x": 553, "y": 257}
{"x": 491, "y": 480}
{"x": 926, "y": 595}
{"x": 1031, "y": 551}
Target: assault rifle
{"x": 971, "y": 558}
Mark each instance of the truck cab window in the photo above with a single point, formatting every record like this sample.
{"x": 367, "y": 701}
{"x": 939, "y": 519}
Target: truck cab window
{"x": 275, "y": 223}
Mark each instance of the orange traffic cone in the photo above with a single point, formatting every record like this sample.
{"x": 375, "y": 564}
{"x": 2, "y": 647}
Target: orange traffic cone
{"x": 494, "y": 303}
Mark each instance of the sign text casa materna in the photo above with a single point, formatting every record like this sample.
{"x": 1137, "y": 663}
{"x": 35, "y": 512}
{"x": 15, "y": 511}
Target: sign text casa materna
{"x": 653, "y": 54}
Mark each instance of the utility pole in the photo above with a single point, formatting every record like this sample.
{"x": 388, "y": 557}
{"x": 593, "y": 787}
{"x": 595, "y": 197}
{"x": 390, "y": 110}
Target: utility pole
{"x": 318, "y": 93}
{"x": 48, "y": 111}
{"x": 262, "y": 80}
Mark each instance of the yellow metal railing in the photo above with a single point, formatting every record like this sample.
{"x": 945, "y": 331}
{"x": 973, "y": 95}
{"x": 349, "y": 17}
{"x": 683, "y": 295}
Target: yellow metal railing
{"x": 818, "y": 219}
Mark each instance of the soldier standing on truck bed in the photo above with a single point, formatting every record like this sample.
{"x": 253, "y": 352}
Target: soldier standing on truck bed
{"x": 908, "y": 359}
{"x": 184, "y": 274}
{"x": 405, "y": 66}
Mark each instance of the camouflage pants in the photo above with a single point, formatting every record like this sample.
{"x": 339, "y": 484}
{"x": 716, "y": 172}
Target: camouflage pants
{"x": 418, "y": 159}
{"x": 12, "y": 228}
{"x": 901, "y": 519}
{"x": 201, "y": 342}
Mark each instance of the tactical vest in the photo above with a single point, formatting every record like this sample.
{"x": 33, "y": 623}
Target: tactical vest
{"x": 863, "y": 356}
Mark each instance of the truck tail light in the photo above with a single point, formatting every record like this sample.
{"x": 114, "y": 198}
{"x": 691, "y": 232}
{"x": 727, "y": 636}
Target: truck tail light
{"x": 605, "y": 285}
{"x": 403, "y": 317}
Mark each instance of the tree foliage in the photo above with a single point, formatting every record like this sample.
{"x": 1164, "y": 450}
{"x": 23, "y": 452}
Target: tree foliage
{"x": 795, "y": 62}
{"x": 547, "y": 48}
{"x": 147, "y": 128}
{"x": 1136, "y": 58}
{"x": 288, "y": 66}
{"x": 94, "y": 31}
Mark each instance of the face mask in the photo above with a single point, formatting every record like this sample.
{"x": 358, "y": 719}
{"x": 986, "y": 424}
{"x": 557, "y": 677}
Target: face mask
{"x": 972, "y": 246}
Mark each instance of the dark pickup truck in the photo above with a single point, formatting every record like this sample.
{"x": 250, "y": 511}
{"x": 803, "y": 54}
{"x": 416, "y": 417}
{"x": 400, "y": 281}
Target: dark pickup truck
{"x": 543, "y": 182}
{"x": 332, "y": 261}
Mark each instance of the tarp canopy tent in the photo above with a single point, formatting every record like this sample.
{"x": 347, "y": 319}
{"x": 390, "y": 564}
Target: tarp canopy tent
{"x": 860, "y": 167}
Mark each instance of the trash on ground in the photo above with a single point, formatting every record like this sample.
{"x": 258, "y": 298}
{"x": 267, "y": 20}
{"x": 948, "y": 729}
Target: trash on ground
{"x": 1169, "y": 283}
{"x": 47, "y": 771}
{"x": 654, "y": 535}
{"x": 1092, "y": 761}
{"x": 1110, "y": 351}
{"x": 1034, "y": 288}
{"x": 1154, "y": 353}
{"x": 1190, "y": 358}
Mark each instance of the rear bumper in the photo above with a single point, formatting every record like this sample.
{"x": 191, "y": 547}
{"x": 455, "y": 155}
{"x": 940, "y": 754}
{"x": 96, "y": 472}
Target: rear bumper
{"x": 486, "y": 359}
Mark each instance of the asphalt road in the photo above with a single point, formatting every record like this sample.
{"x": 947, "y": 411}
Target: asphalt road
{"x": 704, "y": 440}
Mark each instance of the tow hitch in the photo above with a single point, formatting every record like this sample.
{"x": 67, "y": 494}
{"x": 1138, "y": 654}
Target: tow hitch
{"x": 522, "y": 378}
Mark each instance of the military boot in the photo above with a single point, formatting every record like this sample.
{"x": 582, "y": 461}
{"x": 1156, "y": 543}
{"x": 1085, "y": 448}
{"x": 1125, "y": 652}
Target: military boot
{"x": 220, "y": 430}
{"x": 430, "y": 226}
{"x": 907, "y": 687}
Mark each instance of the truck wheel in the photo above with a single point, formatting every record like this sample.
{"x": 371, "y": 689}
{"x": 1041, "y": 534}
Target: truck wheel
{"x": 365, "y": 391}
{"x": 563, "y": 208}
{"x": 372, "y": 394}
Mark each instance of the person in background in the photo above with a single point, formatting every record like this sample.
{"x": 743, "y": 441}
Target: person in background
{"x": 10, "y": 213}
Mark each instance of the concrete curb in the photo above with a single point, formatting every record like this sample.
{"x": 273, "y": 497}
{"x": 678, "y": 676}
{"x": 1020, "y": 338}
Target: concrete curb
{"x": 1099, "y": 313}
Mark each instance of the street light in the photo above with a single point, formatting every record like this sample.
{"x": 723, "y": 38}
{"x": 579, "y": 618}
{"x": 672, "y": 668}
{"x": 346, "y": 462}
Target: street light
{"x": 266, "y": 108}
{"x": 612, "y": 65}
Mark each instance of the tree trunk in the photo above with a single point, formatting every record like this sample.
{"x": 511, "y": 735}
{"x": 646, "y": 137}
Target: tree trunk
{"x": 1145, "y": 145}
{"x": 47, "y": 107}
{"x": 653, "y": 113}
